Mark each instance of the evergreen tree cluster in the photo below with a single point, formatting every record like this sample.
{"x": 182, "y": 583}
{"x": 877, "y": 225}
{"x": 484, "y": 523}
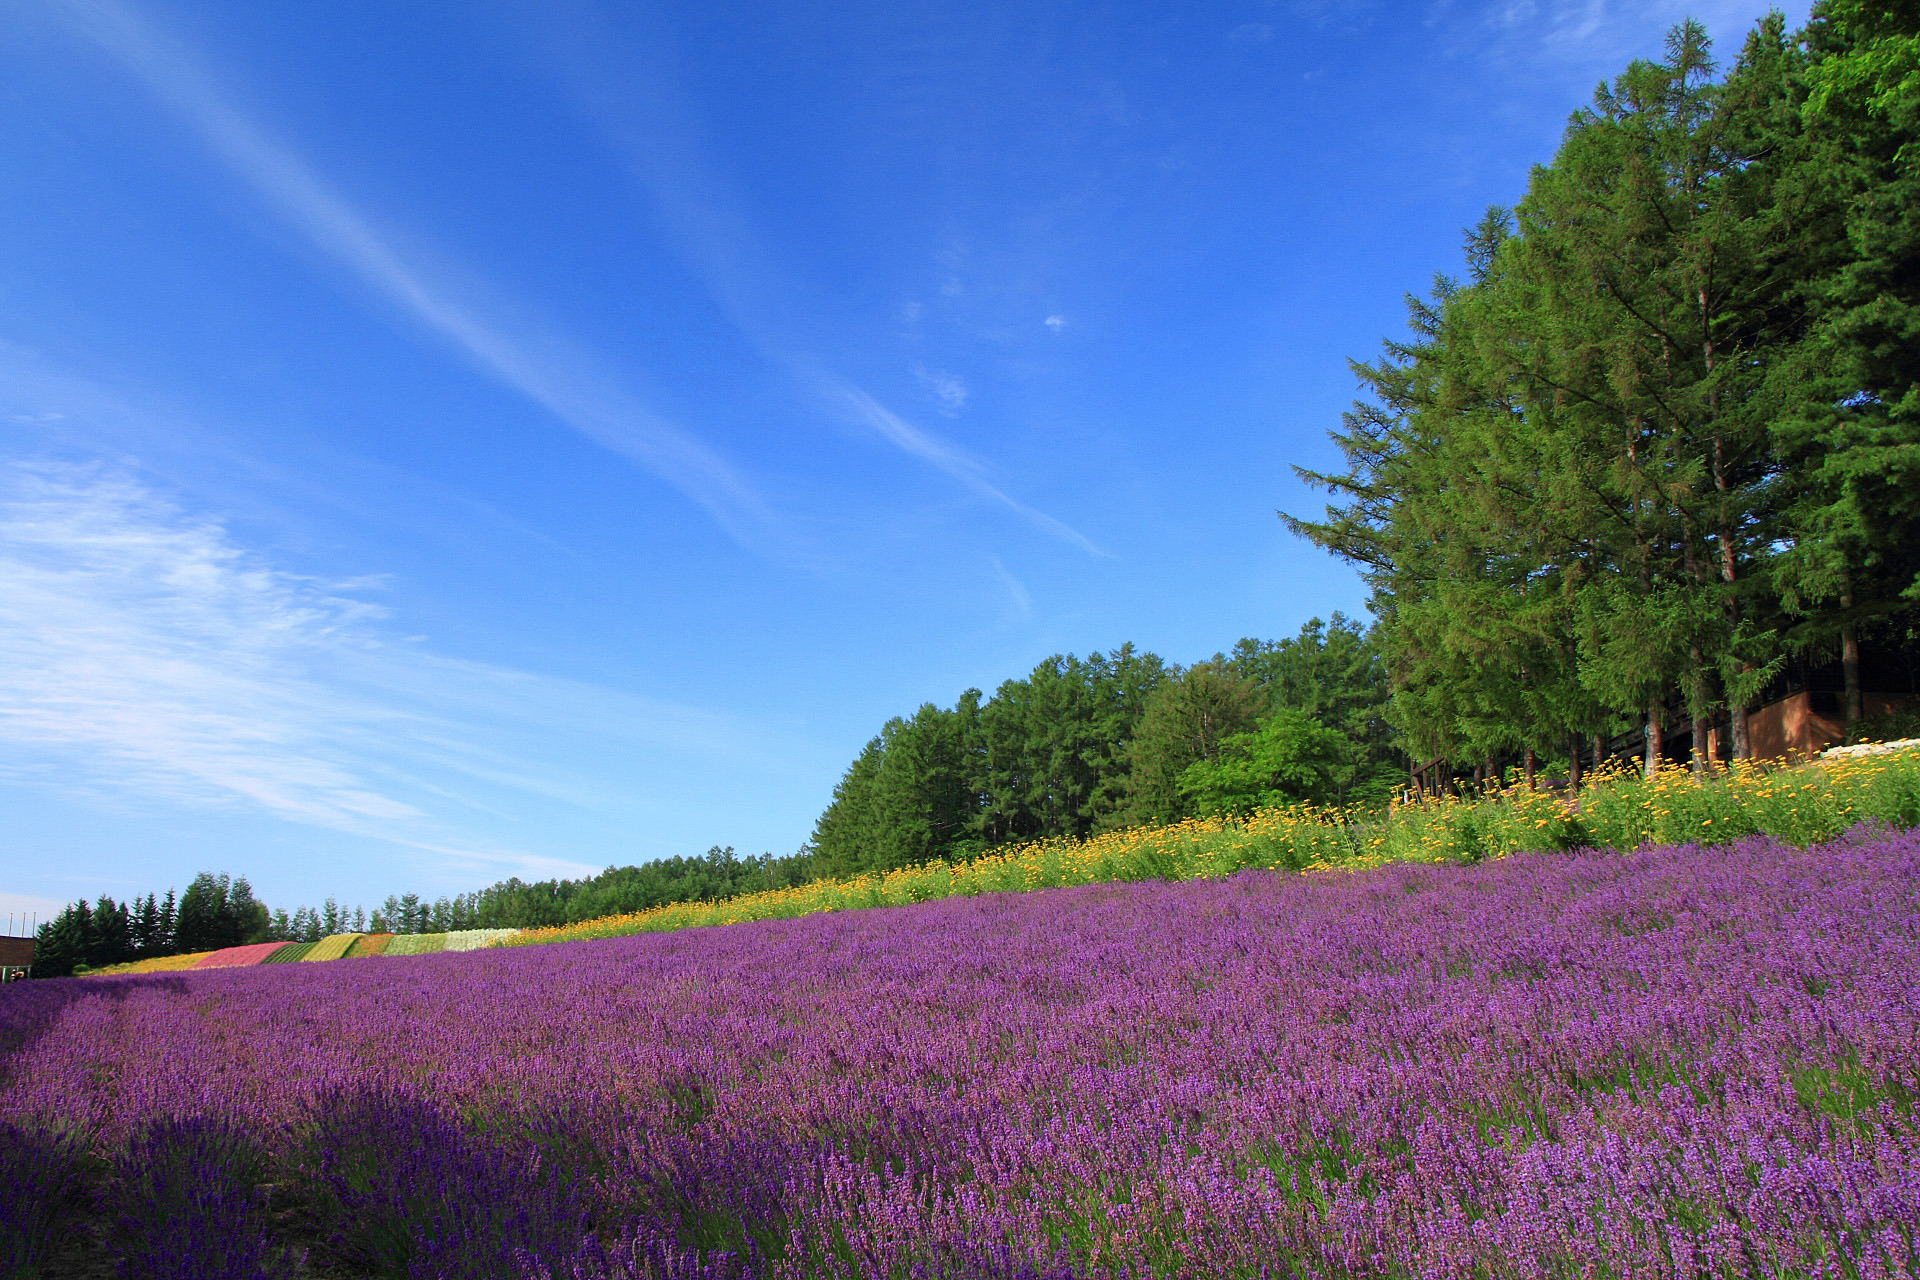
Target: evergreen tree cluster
{"x": 310, "y": 924}
{"x": 1664, "y": 436}
{"x": 215, "y": 911}
{"x": 1080, "y": 746}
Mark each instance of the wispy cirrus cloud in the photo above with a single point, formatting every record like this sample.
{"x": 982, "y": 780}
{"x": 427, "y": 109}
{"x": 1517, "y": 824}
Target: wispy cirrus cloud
{"x": 1598, "y": 36}
{"x": 938, "y": 453}
{"x": 950, "y": 389}
{"x": 541, "y": 367}
{"x": 630, "y": 93}
{"x": 143, "y": 652}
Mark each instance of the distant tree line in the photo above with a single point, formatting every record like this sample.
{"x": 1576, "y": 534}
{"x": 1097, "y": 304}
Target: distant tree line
{"x": 716, "y": 875}
{"x": 1085, "y": 745}
{"x": 1664, "y": 435}
{"x": 221, "y": 911}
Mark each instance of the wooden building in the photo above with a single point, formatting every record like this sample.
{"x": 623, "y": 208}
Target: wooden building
{"x": 16, "y": 957}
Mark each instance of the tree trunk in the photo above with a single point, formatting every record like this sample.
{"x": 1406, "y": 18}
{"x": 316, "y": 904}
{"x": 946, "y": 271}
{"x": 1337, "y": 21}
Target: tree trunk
{"x": 1529, "y": 767}
{"x": 1573, "y": 764}
{"x": 1850, "y": 660}
{"x": 1654, "y": 739}
{"x": 1737, "y": 712}
{"x": 1701, "y": 721}
{"x": 1599, "y": 751}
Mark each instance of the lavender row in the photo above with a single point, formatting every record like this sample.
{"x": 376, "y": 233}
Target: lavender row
{"x": 1681, "y": 1061}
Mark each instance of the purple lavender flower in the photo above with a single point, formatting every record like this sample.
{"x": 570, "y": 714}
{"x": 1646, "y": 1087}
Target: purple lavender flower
{"x": 41, "y": 1190}
{"x": 1673, "y": 1061}
{"x": 191, "y": 1207}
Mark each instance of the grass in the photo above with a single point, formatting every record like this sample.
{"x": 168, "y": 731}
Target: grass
{"x": 1622, "y": 810}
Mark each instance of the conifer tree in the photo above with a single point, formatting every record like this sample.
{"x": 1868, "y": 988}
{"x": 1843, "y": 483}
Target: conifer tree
{"x": 1847, "y": 396}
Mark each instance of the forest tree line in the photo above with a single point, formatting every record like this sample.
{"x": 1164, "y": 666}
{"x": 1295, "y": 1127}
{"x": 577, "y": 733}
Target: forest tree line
{"x": 1084, "y": 745}
{"x": 1663, "y": 436}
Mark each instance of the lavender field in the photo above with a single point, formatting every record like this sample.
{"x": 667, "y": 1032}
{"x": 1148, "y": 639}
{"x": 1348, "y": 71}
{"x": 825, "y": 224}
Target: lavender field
{"x": 1677, "y": 1062}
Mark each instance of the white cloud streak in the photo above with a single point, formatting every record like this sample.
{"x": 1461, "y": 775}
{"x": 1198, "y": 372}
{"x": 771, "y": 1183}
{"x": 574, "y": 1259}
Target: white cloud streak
{"x": 142, "y": 652}
{"x": 937, "y": 453}
{"x": 539, "y": 367}
{"x": 631, "y": 96}
{"x": 1597, "y": 35}
{"x": 950, "y": 389}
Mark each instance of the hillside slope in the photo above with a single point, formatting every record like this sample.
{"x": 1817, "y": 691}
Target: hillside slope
{"x": 1668, "y": 1061}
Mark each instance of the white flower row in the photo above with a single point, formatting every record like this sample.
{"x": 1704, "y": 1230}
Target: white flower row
{"x": 474, "y": 939}
{"x": 1868, "y": 749}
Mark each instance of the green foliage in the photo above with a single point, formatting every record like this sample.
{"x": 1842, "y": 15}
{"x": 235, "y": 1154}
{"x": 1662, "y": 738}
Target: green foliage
{"x": 511, "y": 904}
{"x": 1848, "y": 398}
{"x": 1082, "y": 746}
{"x": 1047, "y": 755}
{"x": 1291, "y": 757}
{"x": 1186, "y": 720}
{"x": 1051, "y": 753}
{"x": 87, "y": 936}
{"x": 907, "y": 797}
{"x": 1890, "y": 726}
{"x": 1336, "y": 673}
{"x": 219, "y": 911}
{"x": 1668, "y": 429}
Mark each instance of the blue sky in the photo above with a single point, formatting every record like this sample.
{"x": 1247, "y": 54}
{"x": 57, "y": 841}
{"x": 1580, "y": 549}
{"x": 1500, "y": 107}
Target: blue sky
{"x": 443, "y": 442}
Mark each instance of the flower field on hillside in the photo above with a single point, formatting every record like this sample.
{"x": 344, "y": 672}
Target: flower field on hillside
{"x": 1683, "y": 1061}
{"x": 337, "y": 946}
{"x": 241, "y": 957}
{"x": 1617, "y": 810}
{"x": 331, "y": 947}
{"x": 474, "y": 939}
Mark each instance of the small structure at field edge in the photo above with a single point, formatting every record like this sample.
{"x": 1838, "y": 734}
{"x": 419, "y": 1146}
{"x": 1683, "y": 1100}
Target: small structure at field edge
{"x": 16, "y": 957}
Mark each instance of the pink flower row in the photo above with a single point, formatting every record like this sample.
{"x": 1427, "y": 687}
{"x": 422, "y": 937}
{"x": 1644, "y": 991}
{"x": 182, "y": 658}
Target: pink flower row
{"x": 238, "y": 957}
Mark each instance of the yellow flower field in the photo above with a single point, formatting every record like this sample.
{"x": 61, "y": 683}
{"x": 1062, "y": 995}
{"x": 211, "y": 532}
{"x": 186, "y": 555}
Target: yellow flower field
{"x": 1622, "y": 810}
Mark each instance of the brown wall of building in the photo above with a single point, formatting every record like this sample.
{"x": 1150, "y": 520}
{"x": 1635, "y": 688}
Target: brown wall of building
{"x": 16, "y": 951}
{"x": 1791, "y": 727}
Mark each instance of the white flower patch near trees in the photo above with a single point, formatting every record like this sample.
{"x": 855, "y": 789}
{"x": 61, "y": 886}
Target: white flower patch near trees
{"x": 474, "y": 939}
{"x": 1869, "y": 749}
